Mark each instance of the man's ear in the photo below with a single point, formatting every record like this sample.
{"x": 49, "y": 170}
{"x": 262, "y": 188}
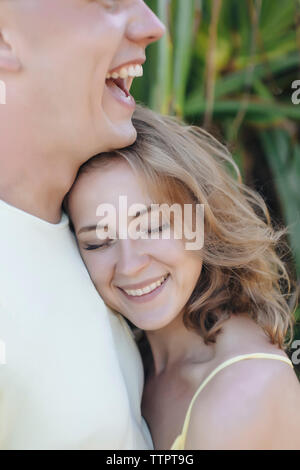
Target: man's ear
{"x": 9, "y": 62}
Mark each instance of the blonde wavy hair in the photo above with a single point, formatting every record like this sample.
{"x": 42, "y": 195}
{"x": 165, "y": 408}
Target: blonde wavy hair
{"x": 243, "y": 270}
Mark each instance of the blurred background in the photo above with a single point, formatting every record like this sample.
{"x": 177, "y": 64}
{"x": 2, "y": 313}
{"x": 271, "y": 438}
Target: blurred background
{"x": 233, "y": 67}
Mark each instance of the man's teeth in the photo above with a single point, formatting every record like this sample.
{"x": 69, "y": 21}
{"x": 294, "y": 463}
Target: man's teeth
{"x": 147, "y": 289}
{"x": 125, "y": 72}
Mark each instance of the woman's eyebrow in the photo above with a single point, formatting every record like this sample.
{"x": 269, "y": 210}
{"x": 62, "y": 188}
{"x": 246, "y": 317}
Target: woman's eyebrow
{"x": 88, "y": 228}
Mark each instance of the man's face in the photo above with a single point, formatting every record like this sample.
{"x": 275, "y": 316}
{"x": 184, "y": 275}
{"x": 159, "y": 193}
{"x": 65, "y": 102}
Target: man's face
{"x": 67, "y": 48}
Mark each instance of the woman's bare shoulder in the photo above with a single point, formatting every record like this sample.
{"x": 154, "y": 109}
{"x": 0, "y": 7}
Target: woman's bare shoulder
{"x": 248, "y": 405}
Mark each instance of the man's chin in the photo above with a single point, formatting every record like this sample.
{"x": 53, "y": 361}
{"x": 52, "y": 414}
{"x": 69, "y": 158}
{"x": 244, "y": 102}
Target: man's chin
{"x": 124, "y": 137}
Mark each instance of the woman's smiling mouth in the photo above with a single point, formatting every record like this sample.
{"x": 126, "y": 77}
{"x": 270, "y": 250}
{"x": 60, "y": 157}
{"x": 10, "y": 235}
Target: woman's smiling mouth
{"x": 146, "y": 293}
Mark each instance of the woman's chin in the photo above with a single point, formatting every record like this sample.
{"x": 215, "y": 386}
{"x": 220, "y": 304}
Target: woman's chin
{"x": 149, "y": 324}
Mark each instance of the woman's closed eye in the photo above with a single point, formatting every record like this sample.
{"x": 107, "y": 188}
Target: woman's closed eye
{"x": 158, "y": 229}
{"x": 96, "y": 246}
{"x": 107, "y": 243}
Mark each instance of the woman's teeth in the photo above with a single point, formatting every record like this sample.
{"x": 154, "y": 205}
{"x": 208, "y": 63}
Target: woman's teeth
{"x": 147, "y": 289}
{"x": 125, "y": 72}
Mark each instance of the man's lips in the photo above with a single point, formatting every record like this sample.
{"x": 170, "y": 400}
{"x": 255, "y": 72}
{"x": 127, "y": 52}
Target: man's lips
{"x": 118, "y": 90}
{"x": 119, "y": 80}
{"x": 126, "y": 72}
{"x": 139, "y": 61}
{"x": 121, "y": 83}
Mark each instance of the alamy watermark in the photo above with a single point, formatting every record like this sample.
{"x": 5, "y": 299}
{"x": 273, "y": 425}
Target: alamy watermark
{"x": 296, "y": 94}
{"x": 2, "y": 92}
{"x": 295, "y": 357}
{"x": 154, "y": 221}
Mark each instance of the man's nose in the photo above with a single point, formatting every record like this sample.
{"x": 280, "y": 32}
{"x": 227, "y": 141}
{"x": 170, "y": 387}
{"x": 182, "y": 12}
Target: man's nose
{"x": 144, "y": 26}
{"x": 131, "y": 260}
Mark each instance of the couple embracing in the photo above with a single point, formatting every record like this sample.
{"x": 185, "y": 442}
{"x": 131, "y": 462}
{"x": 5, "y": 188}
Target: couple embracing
{"x": 127, "y": 342}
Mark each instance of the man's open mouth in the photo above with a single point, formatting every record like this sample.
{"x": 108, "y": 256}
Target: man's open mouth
{"x": 120, "y": 83}
{"x": 123, "y": 78}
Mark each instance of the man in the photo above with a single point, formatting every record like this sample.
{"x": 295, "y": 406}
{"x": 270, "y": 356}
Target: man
{"x": 72, "y": 377}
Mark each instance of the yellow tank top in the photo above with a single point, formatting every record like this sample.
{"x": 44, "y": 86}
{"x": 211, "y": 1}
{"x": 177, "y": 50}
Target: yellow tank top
{"x": 179, "y": 442}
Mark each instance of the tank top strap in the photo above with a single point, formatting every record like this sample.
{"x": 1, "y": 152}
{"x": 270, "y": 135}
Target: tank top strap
{"x": 216, "y": 370}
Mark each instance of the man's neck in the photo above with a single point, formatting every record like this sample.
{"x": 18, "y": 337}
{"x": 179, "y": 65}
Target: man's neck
{"x": 23, "y": 200}
{"x": 39, "y": 193}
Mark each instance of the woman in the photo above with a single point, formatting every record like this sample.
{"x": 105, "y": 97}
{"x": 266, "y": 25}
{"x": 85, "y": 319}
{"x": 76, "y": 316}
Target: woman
{"x": 201, "y": 312}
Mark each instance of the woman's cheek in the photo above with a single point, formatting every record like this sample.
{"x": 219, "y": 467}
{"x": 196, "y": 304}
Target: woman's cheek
{"x": 93, "y": 263}
{"x": 170, "y": 252}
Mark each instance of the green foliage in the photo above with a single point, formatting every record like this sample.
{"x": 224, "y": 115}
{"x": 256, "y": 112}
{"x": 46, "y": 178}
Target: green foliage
{"x": 229, "y": 65}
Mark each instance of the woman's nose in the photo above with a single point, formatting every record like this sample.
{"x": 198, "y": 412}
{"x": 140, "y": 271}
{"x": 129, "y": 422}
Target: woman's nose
{"x": 144, "y": 26}
{"x": 131, "y": 259}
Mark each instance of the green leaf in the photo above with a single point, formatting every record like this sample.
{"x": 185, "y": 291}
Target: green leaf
{"x": 184, "y": 24}
{"x": 253, "y": 108}
{"x": 283, "y": 156}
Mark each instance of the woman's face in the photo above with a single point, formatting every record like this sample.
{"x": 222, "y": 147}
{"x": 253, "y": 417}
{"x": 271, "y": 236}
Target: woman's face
{"x": 121, "y": 267}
